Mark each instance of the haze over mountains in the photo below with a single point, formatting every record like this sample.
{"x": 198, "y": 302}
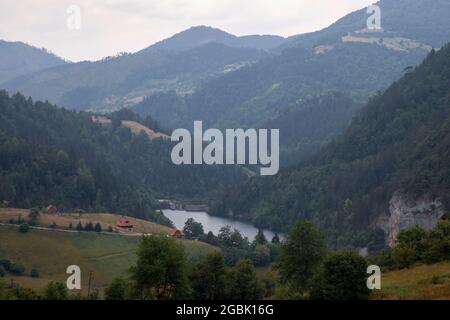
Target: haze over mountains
{"x": 207, "y": 74}
{"x": 180, "y": 63}
{"x": 312, "y": 87}
{"x": 201, "y": 35}
{"x": 18, "y": 58}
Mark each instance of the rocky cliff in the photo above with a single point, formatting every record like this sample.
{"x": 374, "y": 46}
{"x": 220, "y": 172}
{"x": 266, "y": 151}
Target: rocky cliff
{"x": 406, "y": 212}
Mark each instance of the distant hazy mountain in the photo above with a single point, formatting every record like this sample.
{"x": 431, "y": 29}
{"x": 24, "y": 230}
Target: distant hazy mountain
{"x": 344, "y": 57}
{"x": 200, "y": 35}
{"x": 124, "y": 80}
{"x": 422, "y": 20}
{"x": 18, "y": 58}
{"x": 179, "y": 63}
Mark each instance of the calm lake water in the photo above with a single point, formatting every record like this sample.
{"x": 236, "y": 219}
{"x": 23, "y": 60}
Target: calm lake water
{"x": 213, "y": 224}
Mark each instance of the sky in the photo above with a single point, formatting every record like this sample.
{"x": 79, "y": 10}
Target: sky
{"x": 106, "y": 27}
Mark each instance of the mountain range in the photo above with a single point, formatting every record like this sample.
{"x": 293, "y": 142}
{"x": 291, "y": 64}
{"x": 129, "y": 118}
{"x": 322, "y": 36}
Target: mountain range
{"x": 389, "y": 170}
{"x": 18, "y": 59}
{"x": 363, "y": 127}
{"x": 343, "y": 59}
{"x": 180, "y": 63}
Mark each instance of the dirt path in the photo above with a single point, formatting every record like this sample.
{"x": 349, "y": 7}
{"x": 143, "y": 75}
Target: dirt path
{"x": 76, "y": 231}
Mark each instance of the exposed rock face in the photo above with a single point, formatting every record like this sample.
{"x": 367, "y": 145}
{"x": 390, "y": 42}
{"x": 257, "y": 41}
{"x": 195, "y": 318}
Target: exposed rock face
{"x": 406, "y": 213}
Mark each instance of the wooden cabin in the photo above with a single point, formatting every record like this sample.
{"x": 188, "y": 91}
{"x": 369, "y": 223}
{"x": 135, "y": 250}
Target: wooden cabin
{"x": 125, "y": 224}
{"x": 51, "y": 209}
{"x": 175, "y": 233}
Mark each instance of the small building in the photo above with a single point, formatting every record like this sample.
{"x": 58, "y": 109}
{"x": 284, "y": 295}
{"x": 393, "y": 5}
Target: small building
{"x": 51, "y": 209}
{"x": 175, "y": 233}
{"x": 125, "y": 224}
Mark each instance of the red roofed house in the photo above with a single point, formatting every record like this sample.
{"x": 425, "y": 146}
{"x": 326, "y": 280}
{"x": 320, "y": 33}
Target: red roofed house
{"x": 125, "y": 224}
{"x": 176, "y": 233}
{"x": 51, "y": 209}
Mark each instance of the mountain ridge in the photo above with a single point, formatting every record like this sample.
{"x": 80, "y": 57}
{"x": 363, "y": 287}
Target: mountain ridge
{"x": 200, "y": 35}
{"x": 19, "y": 58}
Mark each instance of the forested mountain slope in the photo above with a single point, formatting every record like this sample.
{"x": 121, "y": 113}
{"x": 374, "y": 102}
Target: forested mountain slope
{"x": 53, "y": 156}
{"x": 200, "y": 35}
{"x": 17, "y": 59}
{"x": 124, "y": 80}
{"x": 345, "y": 57}
{"x": 400, "y": 142}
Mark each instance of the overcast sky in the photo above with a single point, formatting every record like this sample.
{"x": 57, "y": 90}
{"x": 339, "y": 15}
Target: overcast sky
{"x": 112, "y": 26}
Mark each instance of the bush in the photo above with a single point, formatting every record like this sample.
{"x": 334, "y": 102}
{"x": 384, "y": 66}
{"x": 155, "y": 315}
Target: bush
{"x": 34, "y": 273}
{"x": 24, "y": 228}
{"x": 34, "y": 214}
{"x": 404, "y": 256}
{"x": 116, "y": 290}
{"x": 6, "y": 264}
{"x": 343, "y": 278}
{"x": 2, "y": 272}
{"x": 55, "y": 291}
{"x": 89, "y": 226}
{"x": 98, "y": 227}
{"x": 438, "y": 243}
{"x": 17, "y": 269}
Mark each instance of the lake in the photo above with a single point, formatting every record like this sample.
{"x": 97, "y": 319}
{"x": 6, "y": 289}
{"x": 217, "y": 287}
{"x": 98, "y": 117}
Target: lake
{"x": 213, "y": 223}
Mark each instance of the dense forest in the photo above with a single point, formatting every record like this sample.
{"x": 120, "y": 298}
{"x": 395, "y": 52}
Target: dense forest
{"x": 399, "y": 141}
{"x": 54, "y": 156}
{"x": 312, "y": 124}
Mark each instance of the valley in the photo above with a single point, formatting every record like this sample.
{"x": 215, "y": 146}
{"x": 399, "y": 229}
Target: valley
{"x": 51, "y": 250}
{"x": 153, "y": 170}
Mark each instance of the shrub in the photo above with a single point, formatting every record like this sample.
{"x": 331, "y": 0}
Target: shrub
{"x": 343, "y": 278}
{"x": 98, "y": 227}
{"x": 116, "y": 290}
{"x": 24, "y": 228}
{"x": 55, "y": 291}
{"x": 34, "y": 273}
{"x": 404, "y": 256}
{"x": 6, "y": 264}
{"x": 17, "y": 269}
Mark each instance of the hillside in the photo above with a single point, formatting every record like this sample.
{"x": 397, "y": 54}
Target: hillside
{"x": 53, "y": 156}
{"x": 134, "y": 126}
{"x": 420, "y": 20}
{"x": 343, "y": 58}
{"x": 200, "y": 35}
{"x": 301, "y": 134}
{"x": 51, "y": 252}
{"x": 124, "y": 80}
{"x": 18, "y": 58}
{"x": 393, "y": 162}
{"x": 425, "y": 282}
{"x": 65, "y": 220}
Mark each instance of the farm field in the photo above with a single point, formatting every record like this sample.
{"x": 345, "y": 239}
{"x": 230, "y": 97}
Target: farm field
{"x": 52, "y": 251}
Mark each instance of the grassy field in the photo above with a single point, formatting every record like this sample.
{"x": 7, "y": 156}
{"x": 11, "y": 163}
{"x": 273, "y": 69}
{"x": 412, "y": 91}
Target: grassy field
{"x": 51, "y": 252}
{"x": 419, "y": 283}
{"x": 64, "y": 220}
